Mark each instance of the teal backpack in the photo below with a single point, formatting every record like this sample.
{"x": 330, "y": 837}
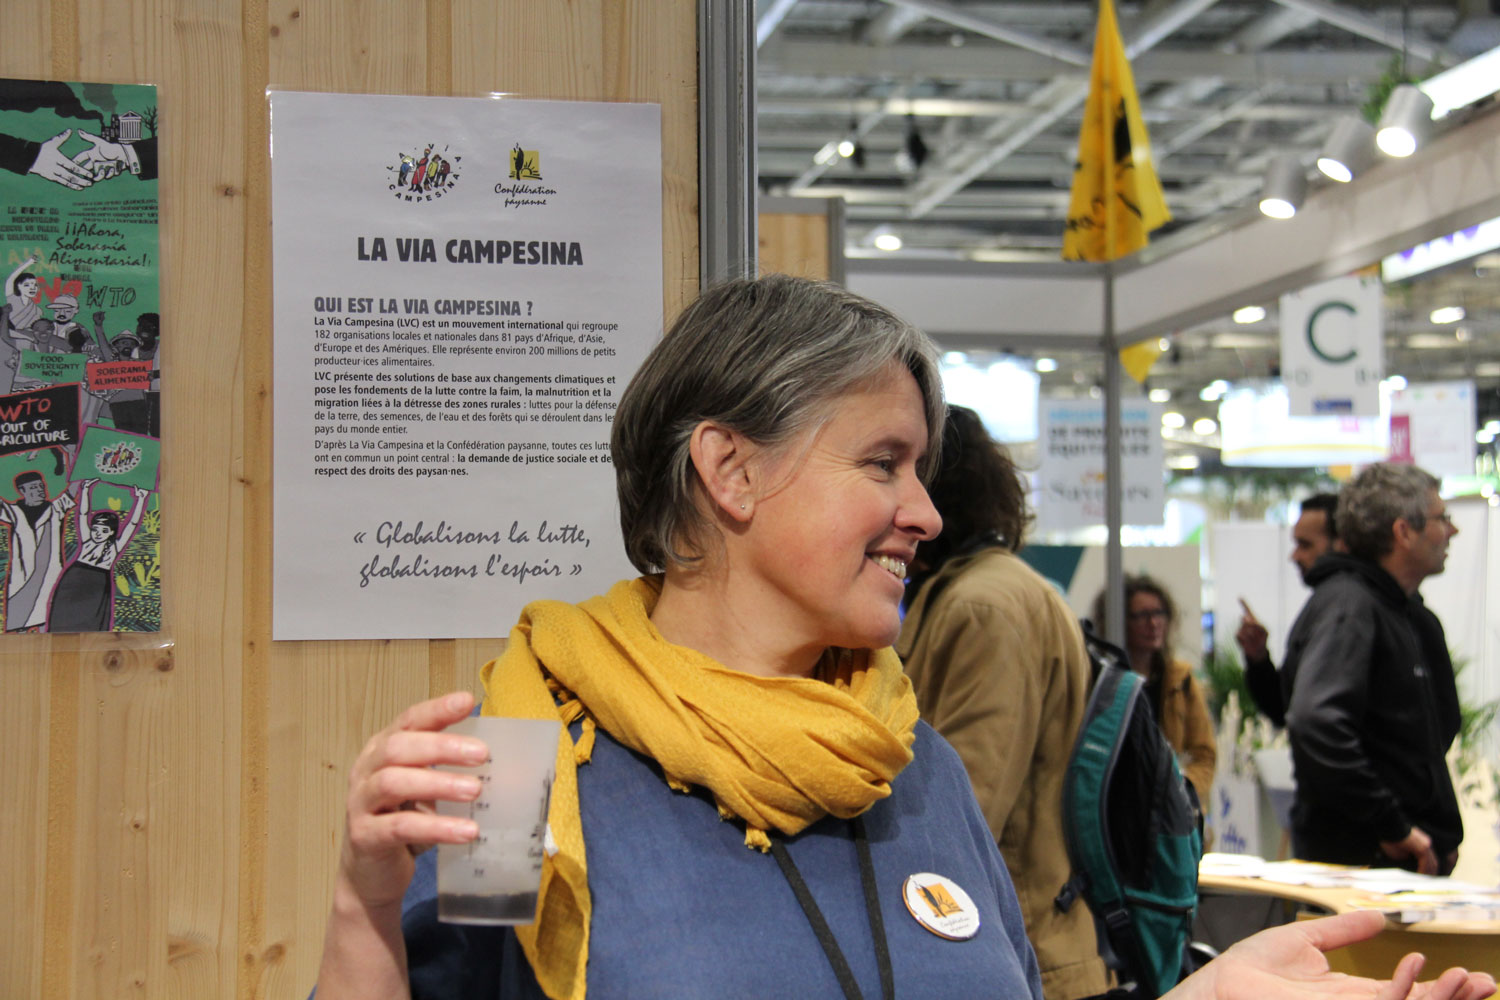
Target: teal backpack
{"x": 1133, "y": 830}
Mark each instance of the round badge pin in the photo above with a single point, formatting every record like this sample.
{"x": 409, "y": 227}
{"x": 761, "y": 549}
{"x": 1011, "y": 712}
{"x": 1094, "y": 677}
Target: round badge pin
{"x": 941, "y": 906}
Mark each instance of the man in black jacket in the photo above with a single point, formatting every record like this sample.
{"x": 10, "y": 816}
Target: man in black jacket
{"x": 1371, "y": 701}
{"x": 1313, "y": 536}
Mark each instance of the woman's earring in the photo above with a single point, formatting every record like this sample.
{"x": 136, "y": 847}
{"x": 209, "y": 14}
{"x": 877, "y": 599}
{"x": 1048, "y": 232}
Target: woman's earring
{"x": 742, "y": 506}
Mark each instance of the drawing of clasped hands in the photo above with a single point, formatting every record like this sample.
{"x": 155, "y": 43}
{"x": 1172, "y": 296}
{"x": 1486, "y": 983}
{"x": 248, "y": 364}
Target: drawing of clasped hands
{"x": 104, "y": 159}
{"x": 101, "y": 161}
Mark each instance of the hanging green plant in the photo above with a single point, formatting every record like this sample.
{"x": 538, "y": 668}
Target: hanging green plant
{"x": 1380, "y": 91}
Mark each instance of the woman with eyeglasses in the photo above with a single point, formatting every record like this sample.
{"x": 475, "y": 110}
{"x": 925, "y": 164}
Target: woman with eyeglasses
{"x": 1176, "y": 697}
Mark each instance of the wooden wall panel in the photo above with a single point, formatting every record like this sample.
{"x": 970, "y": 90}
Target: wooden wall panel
{"x": 178, "y": 807}
{"x": 793, "y": 243}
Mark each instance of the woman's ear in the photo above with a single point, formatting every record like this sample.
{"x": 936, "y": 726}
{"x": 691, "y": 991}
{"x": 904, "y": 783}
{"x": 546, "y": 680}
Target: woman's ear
{"x": 722, "y": 458}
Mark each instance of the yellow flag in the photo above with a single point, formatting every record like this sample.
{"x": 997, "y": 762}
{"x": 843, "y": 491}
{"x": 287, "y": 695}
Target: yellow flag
{"x": 1116, "y": 197}
{"x": 1137, "y": 359}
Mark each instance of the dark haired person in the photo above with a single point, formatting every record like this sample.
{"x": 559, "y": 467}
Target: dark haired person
{"x": 84, "y": 599}
{"x": 998, "y": 664}
{"x": 1177, "y": 697}
{"x": 1372, "y": 705}
{"x": 21, "y": 293}
{"x": 1314, "y": 535}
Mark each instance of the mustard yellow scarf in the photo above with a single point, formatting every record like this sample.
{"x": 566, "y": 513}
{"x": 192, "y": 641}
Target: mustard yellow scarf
{"x": 775, "y": 752}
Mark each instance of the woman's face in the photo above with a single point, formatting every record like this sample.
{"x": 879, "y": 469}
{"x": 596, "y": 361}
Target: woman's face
{"x": 100, "y": 532}
{"x": 828, "y": 542}
{"x": 28, "y": 289}
{"x": 1146, "y": 623}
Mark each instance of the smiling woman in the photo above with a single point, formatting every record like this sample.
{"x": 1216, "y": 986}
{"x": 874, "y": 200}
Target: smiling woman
{"x": 746, "y": 803}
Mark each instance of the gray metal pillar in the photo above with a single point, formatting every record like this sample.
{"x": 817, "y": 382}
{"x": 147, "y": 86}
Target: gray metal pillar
{"x": 726, "y": 140}
{"x": 1114, "y": 481}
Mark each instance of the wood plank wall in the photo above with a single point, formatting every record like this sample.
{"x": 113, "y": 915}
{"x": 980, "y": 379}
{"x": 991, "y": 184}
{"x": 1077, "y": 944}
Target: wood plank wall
{"x": 173, "y": 810}
{"x": 794, "y": 243}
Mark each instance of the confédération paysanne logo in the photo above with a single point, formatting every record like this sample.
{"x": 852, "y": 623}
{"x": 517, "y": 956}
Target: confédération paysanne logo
{"x": 522, "y": 167}
{"x": 118, "y": 457}
{"x": 424, "y": 174}
{"x": 525, "y": 164}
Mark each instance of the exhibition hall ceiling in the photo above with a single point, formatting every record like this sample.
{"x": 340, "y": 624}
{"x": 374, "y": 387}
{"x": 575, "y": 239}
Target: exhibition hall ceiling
{"x": 995, "y": 91}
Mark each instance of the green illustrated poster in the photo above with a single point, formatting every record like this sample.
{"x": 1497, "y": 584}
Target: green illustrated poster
{"x": 80, "y": 328}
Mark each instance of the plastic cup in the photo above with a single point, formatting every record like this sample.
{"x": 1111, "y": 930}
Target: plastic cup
{"x": 494, "y": 878}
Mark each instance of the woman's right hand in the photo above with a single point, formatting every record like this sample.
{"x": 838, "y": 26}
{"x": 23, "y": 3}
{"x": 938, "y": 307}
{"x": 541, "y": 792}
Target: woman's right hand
{"x": 392, "y": 790}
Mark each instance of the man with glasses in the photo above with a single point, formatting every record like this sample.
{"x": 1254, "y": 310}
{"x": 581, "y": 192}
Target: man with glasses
{"x": 1372, "y": 706}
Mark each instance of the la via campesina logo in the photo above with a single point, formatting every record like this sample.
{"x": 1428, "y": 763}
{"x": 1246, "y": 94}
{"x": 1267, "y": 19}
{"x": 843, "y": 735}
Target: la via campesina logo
{"x": 118, "y": 457}
{"x": 424, "y": 174}
{"x": 525, "y": 164}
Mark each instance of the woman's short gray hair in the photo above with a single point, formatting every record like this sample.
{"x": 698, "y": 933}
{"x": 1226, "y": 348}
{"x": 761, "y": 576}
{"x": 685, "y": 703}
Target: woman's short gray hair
{"x": 1371, "y": 502}
{"x": 766, "y": 358}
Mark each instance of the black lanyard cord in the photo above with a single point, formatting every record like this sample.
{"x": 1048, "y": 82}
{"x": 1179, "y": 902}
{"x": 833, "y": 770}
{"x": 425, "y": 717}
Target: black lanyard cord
{"x": 820, "y": 926}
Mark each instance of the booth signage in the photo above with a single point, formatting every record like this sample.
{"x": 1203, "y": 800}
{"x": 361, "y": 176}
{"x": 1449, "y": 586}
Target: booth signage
{"x": 1432, "y": 425}
{"x": 458, "y": 308}
{"x": 1071, "y": 483}
{"x": 1332, "y": 354}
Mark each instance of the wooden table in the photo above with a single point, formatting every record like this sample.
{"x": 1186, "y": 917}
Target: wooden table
{"x": 1472, "y": 944}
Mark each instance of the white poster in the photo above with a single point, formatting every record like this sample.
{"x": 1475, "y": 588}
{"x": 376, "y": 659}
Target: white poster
{"x": 1433, "y": 425}
{"x": 1332, "y": 350}
{"x": 463, "y": 288}
{"x": 1070, "y": 482}
{"x": 1256, "y": 429}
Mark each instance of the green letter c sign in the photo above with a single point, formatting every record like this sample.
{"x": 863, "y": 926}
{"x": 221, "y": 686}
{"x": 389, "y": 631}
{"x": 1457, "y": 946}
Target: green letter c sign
{"x": 1312, "y": 340}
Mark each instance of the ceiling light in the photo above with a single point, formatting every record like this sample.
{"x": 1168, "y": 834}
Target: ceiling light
{"x": 1464, "y": 84}
{"x": 915, "y": 148}
{"x": 827, "y": 154}
{"x": 1211, "y": 392}
{"x": 1406, "y": 121}
{"x": 1493, "y": 426}
{"x": 1471, "y": 241}
{"x": 1173, "y": 419}
{"x": 1396, "y": 382}
{"x": 1186, "y": 463}
{"x": 1046, "y": 365}
{"x": 1249, "y": 314}
{"x": 888, "y": 242}
{"x": 1484, "y": 436}
{"x": 1159, "y": 395}
{"x": 846, "y": 148}
{"x": 1349, "y": 150}
{"x": 1204, "y": 426}
{"x": 1432, "y": 342}
{"x": 1447, "y": 314}
{"x": 1241, "y": 342}
{"x": 1163, "y": 344}
{"x": 1284, "y": 188}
